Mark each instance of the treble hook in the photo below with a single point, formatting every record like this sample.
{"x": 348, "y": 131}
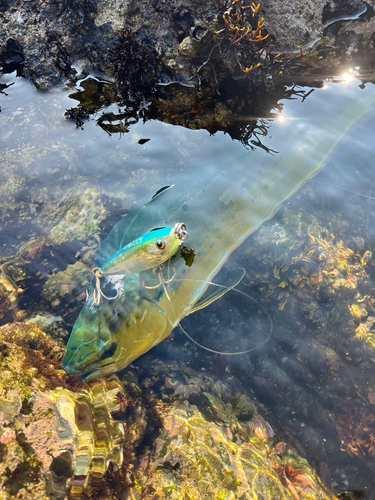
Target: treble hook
{"x": 98, "y": 293}
{"x": 162, "y": 281}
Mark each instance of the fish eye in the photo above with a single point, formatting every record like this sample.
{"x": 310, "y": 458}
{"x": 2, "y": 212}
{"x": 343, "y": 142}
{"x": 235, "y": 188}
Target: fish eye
{"x": 160, "y": 244}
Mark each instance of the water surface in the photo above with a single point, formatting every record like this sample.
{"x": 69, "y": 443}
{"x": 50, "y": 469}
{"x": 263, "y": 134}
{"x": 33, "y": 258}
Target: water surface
{"x": 315, "y": 374}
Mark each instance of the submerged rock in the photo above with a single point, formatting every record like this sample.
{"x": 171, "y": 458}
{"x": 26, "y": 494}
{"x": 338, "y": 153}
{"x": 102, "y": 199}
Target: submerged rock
{"x": 29, "y": 365}
{"x": 66, "y": 290}
{"x": 197, "y": 458}
{"x": 212, "y": 443}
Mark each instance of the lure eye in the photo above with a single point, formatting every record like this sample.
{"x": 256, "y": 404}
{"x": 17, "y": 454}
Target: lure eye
{"x": 160, "y": 244}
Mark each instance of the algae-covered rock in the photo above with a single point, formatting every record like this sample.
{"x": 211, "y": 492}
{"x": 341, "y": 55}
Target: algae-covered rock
{"x": 79, "y": 218}
{"x": 107, "y": 439}
{"x": 29, "y": 364}
{"x": 197, "y": 458}
{"x": 66, "y": 290}
{"x": 211, "y": 442}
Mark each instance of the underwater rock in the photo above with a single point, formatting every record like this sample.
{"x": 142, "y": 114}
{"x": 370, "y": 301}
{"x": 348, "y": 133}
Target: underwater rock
{"x": 217, "y": 448}
{"x": 356, "y": 430}
{"x": 79, "y": 218}
{"x": 66, "y": 290}
{"x": 29, "y": 364}
{"x": 196, "y": 458}
{"x": 59, "y": 208}
{"x": 10, "y": 274}
{"x": 305, "y": 263}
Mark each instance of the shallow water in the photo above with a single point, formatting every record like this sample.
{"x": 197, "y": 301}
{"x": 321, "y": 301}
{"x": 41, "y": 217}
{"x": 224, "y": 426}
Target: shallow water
{"x": 314, "y": 376}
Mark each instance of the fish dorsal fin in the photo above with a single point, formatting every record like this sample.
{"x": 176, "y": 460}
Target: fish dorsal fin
{"x": 160, "y": 191}
{"x": 226, "y": 280}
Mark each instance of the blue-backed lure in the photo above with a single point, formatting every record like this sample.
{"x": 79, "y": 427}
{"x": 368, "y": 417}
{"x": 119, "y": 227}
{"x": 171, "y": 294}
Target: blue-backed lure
{"x": 148, "y": 251}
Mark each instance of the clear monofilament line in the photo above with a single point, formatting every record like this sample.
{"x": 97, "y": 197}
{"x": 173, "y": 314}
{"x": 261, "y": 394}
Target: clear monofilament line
{"x": 245, "y": 295}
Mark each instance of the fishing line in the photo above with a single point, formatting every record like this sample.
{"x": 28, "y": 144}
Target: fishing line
{"x": 344, "y": 189}
{"x": 241, "y": 293}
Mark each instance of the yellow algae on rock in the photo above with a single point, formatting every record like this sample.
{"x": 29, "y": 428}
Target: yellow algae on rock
{"x": 29, "y": 364}
{"x": 196, "y": 458}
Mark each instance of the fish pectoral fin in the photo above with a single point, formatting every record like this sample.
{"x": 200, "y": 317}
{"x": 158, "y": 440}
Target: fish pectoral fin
{"x": 226, "y": 280}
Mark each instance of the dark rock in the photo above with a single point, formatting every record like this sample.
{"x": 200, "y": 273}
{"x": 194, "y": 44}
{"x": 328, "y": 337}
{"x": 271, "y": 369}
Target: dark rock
{"x": 176, "y": 37}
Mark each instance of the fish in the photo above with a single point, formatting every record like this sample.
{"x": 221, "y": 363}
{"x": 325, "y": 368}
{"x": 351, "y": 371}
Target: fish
{"x": 222, "y": 202}
{"x": 148, "y": 251}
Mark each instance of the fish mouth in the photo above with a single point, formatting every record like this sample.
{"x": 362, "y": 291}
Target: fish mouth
{"x": 73, "y": 366}
{"x": 103, "y": 371}
{"x": 89, "y": 370}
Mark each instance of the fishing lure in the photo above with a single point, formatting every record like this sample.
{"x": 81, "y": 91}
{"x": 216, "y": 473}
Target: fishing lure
{"x": 148, "y": 251}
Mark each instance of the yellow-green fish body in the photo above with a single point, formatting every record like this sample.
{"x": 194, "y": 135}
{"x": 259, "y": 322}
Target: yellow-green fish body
{"x": 221, "y": 203}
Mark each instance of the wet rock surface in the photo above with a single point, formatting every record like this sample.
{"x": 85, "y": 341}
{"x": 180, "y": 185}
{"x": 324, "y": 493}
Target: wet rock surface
{"x": 169, "y": 41}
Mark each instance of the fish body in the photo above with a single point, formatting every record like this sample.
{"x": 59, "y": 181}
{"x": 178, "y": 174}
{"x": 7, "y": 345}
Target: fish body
{"x": 145, "y": 252}
{"x": 222, "y": 203}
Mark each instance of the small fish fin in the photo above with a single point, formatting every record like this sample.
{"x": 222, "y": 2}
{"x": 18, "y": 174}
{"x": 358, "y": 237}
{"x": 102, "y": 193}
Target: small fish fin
{"x": 159, "y": 192}
{"x": 227, "y": 279}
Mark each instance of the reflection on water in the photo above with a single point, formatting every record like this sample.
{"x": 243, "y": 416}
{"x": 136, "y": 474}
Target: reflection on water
{"x": 310, "y": 266}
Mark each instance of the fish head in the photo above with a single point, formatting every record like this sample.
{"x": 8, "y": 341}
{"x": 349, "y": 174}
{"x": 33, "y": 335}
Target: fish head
{"x": 107, "y": 338}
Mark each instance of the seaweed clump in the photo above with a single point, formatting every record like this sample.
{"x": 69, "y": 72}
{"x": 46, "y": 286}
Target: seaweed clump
{"x": 356, "y": 430}
{"x": 133, "y": 64}
{"x": 79, "y": 114}
{"x": 234, "y": 42}
{"x": 245, "y": 29}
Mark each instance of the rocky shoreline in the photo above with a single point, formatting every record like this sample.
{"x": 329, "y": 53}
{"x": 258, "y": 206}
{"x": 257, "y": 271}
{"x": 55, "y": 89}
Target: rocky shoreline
{"x": 54, "y": 41}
